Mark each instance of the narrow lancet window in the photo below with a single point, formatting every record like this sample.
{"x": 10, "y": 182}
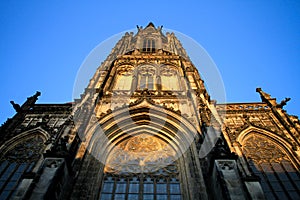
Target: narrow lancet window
{"x": 149, "y": 45}
{"x": 146, "y": 77}
{"x": 169, "y": 79}
{"x": 123, "y": 79}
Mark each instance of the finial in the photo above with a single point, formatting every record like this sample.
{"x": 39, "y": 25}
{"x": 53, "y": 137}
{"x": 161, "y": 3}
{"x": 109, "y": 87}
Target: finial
{"x": 151, "y": 24}
{"x": 16, "y": 106}
{"x": 30, "y": 101}
{"x": 271, "y": 101}
{"x": 37, "y": 94}
{"x": 283, "y": 102}
{"x": 263, "y": 94}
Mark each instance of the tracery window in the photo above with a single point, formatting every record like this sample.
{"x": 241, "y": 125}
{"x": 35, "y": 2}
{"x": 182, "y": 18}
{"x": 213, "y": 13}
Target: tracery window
{"x": 149, "y": 45}
{"x": 123, "y": 79}
{"x": 169, "y": 78}
{"x": 142, "y": 167}
{"x": 140, "y": 186}
{"x": 17, "y": 161}
{"x": 279, "y": 178}
{"x": 146, "y": 77}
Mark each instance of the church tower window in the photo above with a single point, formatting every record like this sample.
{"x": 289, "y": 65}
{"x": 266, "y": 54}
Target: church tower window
{"x": 146, "y": 77}
{"x": 169, "y": 78}
{"x": 123, "y": 79}
{"x": 149, "y": 45}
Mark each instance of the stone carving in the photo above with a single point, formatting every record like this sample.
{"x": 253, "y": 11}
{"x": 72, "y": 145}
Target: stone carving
{"x": 26, "y": 151}
{"x": 283, "y": 102}
{"x": 140, "y": 154}
{"x": 168, "y": 71}
{"x": 125, "y": 69}
{"x": 268, "y": 151}
{"x": 59, "y": 148}
{"x": 16, "y": 106}
{"x": 53, "y": 163}
{"x": 226, "y": 164}
{"x": 263, "y": 94}
{"x": 147, "y": 70}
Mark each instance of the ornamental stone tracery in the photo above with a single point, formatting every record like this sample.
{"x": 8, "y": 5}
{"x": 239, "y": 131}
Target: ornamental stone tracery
{"x": 148, "y": 75}
{"x": 25, "y": 151}
{"x": 146, "y": 70}
{"x": 140, "y": 154}
{"x": 268, "y": 151}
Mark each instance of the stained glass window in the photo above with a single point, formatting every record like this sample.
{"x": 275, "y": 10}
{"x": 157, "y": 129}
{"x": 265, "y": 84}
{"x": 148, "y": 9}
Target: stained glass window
{"x": 141, "y": 167}
{"x": 278, "y": 176}
{"x": 16, "y": 161}
{"x": 146, "y": 187}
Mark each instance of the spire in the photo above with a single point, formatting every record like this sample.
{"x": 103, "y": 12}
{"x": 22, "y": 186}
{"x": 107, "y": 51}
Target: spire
{"x": 150, "y": 24}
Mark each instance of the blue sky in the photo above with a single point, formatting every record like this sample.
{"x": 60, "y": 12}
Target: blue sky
{"x": 253, "y": 43}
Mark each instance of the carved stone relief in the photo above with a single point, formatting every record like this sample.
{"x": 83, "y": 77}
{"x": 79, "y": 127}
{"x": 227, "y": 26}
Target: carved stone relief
{"x": 262, "y": 150}
{"x": 26, "y": 151}
{"x": 140, "y": 154}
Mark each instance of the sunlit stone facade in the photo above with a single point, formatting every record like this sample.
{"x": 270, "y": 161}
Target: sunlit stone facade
{"x": 146, "y": 128}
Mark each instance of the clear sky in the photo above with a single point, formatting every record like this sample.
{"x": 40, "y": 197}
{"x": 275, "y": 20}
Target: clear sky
{"x": 254, "y": 43}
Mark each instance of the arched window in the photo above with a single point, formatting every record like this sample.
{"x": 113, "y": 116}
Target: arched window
{"x": 146, "y": 77}
{"x": 149, "y": 45}
{"x": 18, "y": 160}
{"x": 141, "y": 167}
{"x": 140, "y": 186}
{"x": 169, "y": 78}
{"x": 123, "y": 79}
{"x": 279, "y": 178}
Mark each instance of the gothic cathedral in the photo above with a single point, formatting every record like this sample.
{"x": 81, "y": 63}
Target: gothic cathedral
{"x": 146, "y": 128}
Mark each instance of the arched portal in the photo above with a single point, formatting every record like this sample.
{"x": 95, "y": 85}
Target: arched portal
{"x": 143, "y": 149}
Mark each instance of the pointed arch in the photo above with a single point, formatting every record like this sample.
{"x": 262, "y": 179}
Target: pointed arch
{"x": 26, "y": 135}
{"x": 146, "y": 74}
{"x": 19, "y": 156}
{"x": 155, "y": 120}
{"x": 144, "y": 145}
{"x": 271, "y": 158}
{"x": 280, "y": 142}
{"x": 169, "y": 75}
{"x": 123, "y": 77}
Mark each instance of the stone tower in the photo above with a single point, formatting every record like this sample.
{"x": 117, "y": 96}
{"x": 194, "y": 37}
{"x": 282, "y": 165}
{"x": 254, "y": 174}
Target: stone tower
{"x": 146, "y": 128}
